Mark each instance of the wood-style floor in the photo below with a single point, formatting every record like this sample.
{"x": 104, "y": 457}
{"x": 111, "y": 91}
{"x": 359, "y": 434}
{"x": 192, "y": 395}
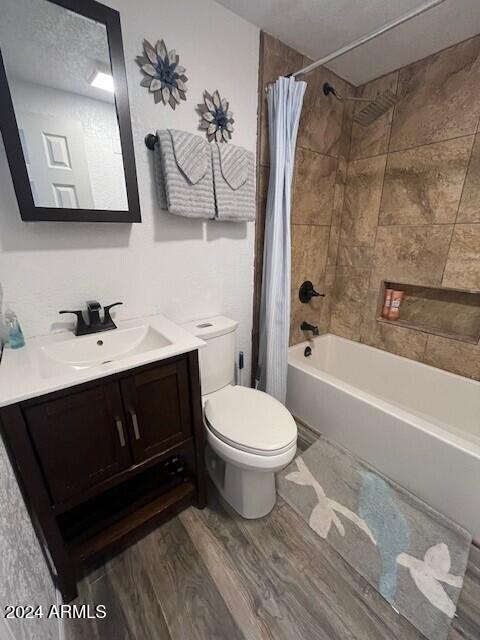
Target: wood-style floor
{"x": 212, "y": 575}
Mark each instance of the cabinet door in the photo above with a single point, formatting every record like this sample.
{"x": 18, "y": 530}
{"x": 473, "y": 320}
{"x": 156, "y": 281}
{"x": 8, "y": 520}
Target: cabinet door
{"x": 80, "y": 439}
{"x": 157, "y": 404}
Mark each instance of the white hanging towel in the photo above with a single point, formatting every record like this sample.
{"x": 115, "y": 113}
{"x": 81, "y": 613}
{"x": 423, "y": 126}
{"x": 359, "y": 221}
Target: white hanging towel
{"x": 183, "y": 174}
{"x": 234, "y": 180}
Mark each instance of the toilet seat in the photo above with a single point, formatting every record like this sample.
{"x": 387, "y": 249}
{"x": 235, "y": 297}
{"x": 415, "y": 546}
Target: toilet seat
{"x": 251, "y": 421}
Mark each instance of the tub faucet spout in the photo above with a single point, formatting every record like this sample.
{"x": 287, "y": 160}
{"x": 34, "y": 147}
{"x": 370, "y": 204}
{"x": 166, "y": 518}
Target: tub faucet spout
{"x": 306, "y": 326}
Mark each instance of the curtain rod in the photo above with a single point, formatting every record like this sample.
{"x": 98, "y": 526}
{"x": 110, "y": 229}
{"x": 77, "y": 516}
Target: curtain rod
{"x": 370, "y": 36}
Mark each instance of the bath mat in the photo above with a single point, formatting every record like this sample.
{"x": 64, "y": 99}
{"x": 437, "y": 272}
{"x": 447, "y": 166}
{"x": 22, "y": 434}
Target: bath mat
{"x": 413, "y": 555}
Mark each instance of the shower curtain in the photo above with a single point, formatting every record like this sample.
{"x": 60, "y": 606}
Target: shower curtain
{"x": 284, "y": 99}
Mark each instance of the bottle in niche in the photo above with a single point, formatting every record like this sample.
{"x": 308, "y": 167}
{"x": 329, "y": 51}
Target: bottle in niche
{"x": 387, "y": 302}
{"x": 394, "y": 312}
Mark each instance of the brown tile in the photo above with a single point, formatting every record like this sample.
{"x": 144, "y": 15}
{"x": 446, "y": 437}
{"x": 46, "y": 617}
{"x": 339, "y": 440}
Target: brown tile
{"x": 321, "y": 120}
{"x": 439, "y": 97}
{"x": 424, "y": 185}
{"x": 470, "y": 205}
{"x": 262, "y": 188}
{"x": 454, "y": 356}
{"x": 333, "y": 244}
{"x": 349, "y": 302}
{"x": 338, "y": 200}
{"x": 277, "y": 59}
{"x": 463, "y": 264}
{"x": 317, "y": 311}
{"x": 359, "y": 257}
{"x": 362, "y": 201}
{"x": 309, "y": 255}
{"x": 263, "y": 174}
{"x": 314, "y": 188}
{"x": 373, "y": 140}
{"x": 347, "y": 123}
{"x": 411, "y": 254}
{"x": 403, "y": 342}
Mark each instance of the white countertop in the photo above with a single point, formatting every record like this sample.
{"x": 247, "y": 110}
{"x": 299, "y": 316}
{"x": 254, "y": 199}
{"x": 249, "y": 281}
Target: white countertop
{"x": 20, "y": 370}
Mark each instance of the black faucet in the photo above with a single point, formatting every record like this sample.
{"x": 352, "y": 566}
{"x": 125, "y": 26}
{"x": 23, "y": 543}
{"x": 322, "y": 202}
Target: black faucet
{"x": 307, "y": 292}
{"x": 306, "y": 326}
{"x": 94, "y": 324}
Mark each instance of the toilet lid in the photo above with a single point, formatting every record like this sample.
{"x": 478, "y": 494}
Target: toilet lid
{"x": 250, "y": 419}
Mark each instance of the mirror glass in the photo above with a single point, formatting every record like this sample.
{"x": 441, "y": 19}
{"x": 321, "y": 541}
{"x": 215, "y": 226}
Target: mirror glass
{"x": 58, "y": 69}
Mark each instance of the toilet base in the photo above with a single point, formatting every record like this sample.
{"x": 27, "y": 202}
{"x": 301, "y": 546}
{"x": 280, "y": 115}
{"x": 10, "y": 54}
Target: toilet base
{"x": 251, "y": 493}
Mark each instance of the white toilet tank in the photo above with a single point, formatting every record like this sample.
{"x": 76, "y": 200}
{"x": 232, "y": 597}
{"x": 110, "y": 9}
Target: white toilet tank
{"x": 217, "y": 359}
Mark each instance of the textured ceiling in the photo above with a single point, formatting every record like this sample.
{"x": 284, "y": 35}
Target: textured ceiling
{"x": 318, "y": 27}
{"x": 44, "y": 43}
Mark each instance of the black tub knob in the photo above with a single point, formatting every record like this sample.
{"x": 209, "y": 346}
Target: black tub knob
{"x": 307, "y": 292}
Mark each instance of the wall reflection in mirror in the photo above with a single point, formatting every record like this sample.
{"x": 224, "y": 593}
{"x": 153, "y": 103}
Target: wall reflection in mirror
{"x": 58, "y": 68}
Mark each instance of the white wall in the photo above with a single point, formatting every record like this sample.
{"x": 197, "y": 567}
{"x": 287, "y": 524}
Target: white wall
{"x": 185, "y": 269}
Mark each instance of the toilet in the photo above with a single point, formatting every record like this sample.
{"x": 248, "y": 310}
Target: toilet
{"x": 250, "y": 435}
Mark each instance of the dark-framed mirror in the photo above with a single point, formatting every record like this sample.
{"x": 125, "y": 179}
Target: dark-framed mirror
{"x": 64, "y": 111}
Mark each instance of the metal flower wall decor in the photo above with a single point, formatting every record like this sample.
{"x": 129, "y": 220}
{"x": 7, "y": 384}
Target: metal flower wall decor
{"x": 216, "y": 118}
{"x": 163, "y": 75}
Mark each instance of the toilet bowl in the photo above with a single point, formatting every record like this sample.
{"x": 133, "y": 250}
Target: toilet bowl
{"x": 250, "y": 435}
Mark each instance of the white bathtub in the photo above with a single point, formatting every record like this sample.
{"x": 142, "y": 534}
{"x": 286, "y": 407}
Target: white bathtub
{"x": 418, "y": 425}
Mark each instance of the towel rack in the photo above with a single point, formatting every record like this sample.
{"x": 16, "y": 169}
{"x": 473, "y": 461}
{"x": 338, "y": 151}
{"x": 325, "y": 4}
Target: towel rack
{"x": 150, "y": 141}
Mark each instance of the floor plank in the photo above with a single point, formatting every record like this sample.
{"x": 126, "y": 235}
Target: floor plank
{"x": 213, "y": 575}
{"x": 280, "y": 607}
{"x": 191, "y": 601}
{"x": 346, "y": 605}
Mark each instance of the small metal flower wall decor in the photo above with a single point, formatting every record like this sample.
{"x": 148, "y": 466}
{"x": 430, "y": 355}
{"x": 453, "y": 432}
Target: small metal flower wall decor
{"x": 216, "y": 118}
{"x": 163, "y": 75}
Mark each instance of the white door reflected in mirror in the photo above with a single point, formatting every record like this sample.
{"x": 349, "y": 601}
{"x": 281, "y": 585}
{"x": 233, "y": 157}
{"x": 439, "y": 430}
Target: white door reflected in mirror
{"x": 60, "y": 78}
{"x": 56, "y": 161}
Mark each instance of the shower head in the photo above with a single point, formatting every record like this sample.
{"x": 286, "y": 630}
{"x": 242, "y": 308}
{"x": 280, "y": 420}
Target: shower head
{"x": 382, "y": 103}
{"x": 375, "y": 108}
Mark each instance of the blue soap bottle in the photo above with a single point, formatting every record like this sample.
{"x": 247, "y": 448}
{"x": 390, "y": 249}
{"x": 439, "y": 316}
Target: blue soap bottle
{"x": 15, "y": 339}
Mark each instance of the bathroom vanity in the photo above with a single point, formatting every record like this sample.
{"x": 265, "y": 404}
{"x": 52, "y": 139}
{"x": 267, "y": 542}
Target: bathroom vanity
{"x": 105, "y": 435}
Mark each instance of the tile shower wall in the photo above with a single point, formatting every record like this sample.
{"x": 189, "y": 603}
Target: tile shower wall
{"x": 411, "y": 210}
{"x": 397, "y": 200}
{"x": 320, "y": 171}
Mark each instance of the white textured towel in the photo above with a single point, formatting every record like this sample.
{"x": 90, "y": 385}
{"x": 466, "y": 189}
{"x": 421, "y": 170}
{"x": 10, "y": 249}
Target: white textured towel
{"x": 183, "y": 172}
{"x": 234, "y": 179}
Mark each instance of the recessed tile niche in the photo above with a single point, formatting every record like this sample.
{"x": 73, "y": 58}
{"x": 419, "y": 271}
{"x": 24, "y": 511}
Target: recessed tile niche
{"x": 451, "y": 313}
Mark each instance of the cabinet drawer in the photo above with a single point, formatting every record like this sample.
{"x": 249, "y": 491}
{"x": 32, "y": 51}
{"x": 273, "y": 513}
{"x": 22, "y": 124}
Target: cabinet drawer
{"x": 157, "y": 406}
{"x": 80, "y": 439}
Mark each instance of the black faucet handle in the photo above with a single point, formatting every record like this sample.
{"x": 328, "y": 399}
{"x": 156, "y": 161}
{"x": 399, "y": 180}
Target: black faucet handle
{"x": 307, "y": 292}
{"x": 107, "y": 320}
{"x": 81, "y": 325}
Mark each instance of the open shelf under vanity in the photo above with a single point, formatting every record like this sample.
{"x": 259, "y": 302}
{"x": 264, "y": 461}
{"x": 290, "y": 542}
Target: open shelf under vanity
{"x": 105, "y": 521}
{"x": 441, "y": 311}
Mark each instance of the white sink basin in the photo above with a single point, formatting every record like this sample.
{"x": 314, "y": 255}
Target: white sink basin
{"x": 60, "y": 360}
{"x": 84, "y": 352}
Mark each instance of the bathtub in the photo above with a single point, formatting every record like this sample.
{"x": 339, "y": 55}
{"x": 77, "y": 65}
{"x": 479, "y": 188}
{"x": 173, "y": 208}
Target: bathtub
{"x": 418, "y": 425}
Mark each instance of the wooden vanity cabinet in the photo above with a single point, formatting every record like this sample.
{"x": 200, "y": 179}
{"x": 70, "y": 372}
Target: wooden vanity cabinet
{"x": 102, "y": 462}
{"x": 158, "y": 418}
{"x": 80, "y": 439}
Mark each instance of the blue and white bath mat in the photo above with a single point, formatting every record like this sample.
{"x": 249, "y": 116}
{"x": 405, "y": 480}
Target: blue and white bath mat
{"x": 413, "y": 555}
